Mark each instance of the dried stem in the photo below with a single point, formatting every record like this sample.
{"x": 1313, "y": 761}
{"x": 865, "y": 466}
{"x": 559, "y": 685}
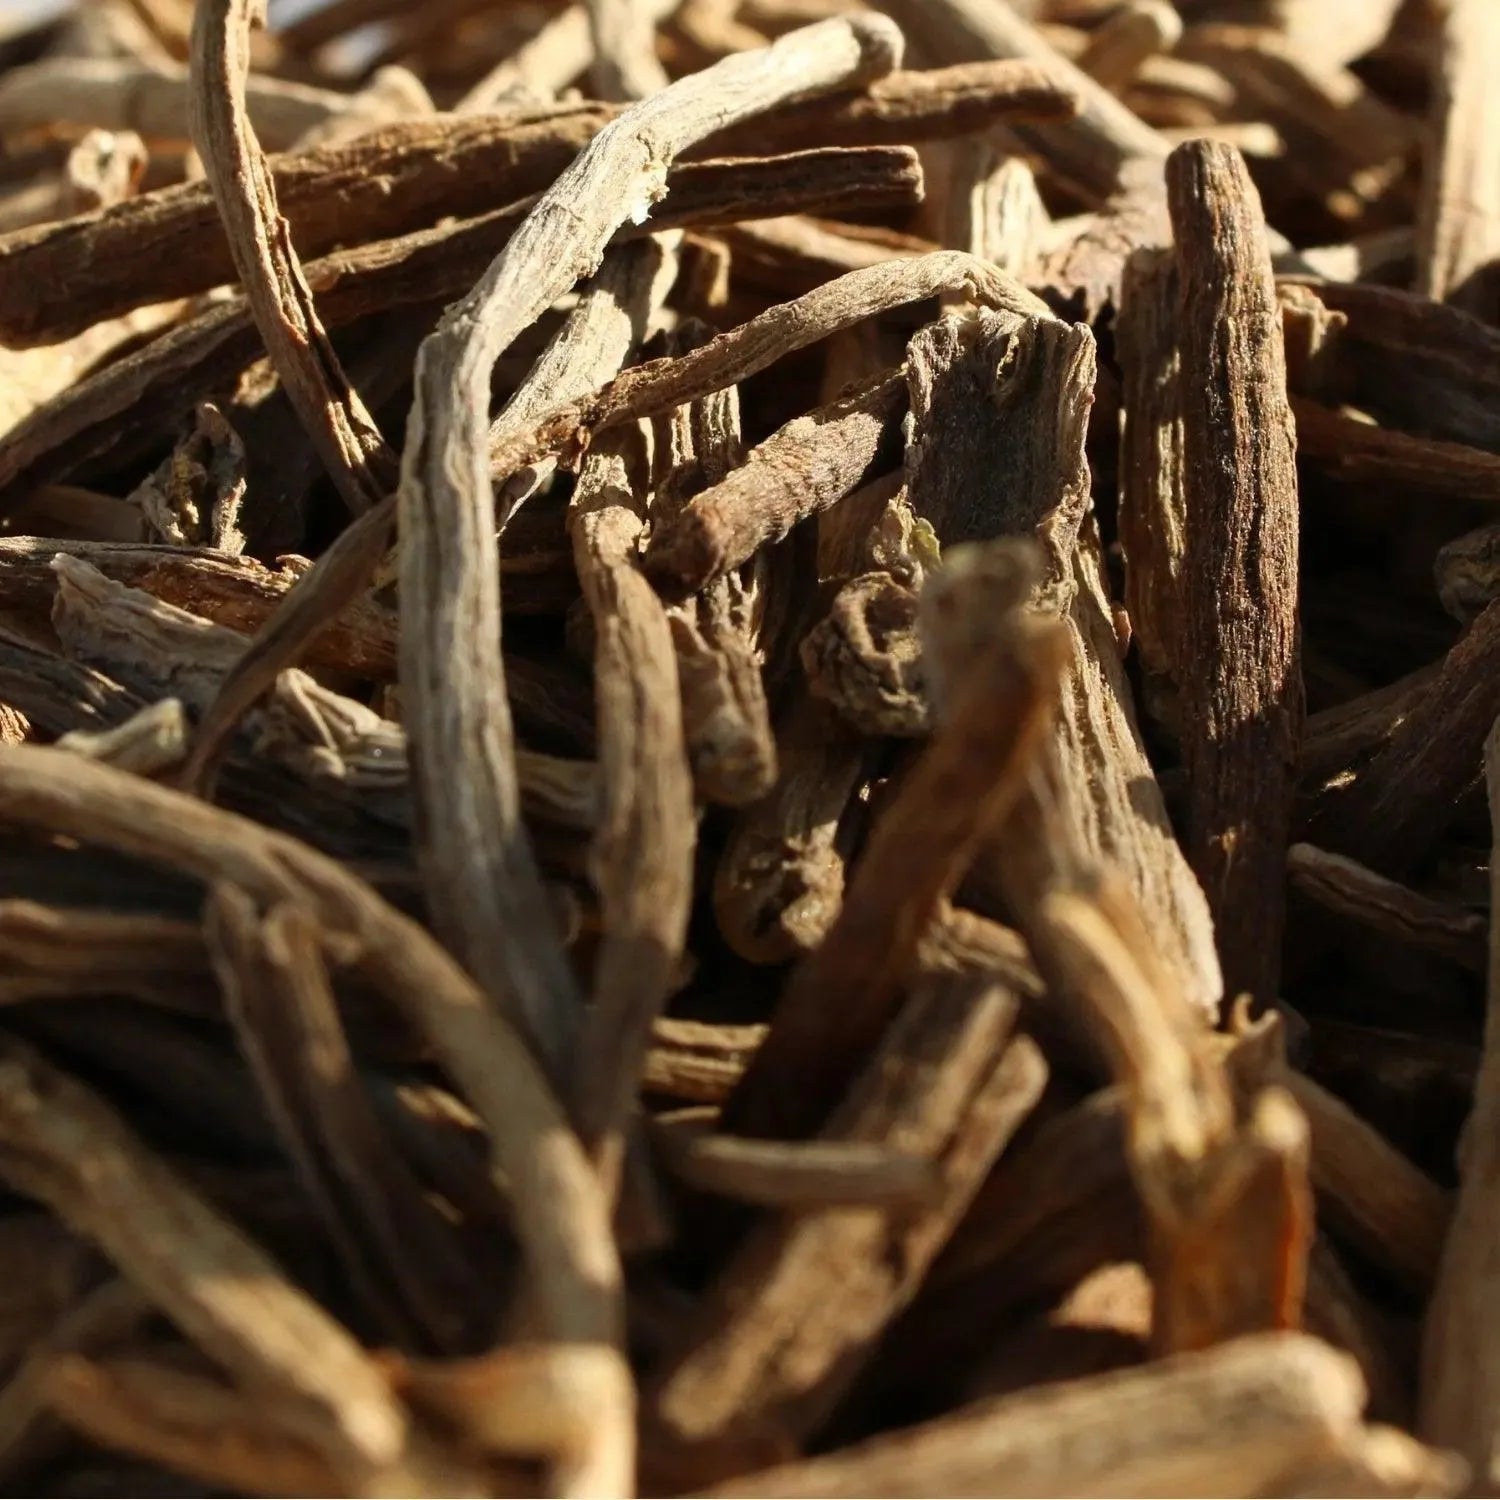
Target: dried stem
{"x": 1243, "y": 704}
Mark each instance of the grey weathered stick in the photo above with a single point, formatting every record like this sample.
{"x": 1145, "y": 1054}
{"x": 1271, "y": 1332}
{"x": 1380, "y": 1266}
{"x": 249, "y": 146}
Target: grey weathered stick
{"x": 116, "y": 94}
{"x": 1126, "y": 38}
{"x": 623, "y": 32}
{"x": 1243, "y": 704}
{"x": 655, "y": 388}
{"x": 477, "y": 864}
{"x": 1458, "y": 239}
{"x": 362, "y": 466}
{"x": 398, "y": 1251}
{"x": 1089, "y": 151}
{"x": 811, "y": 463}
{"x": 1220, "y": 1423}
{"x": 1459, "y": 1400}
{"x": 642, "y": 856}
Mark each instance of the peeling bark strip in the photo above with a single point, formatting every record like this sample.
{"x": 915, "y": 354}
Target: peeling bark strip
{"x": 360, "y": 463}
{"x": 476, "y": 861}
{"x": 999, "y": 420}
{"x": 1242, "y": 707}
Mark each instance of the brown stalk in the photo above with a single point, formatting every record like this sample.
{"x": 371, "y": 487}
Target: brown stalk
{"x": 109, "y": 1314}
{"x": 360, "y": 463}
{"x": 810, "y": 464}
{"x": 1153, "y": 498}
{"x": 406, "y": 177}
{"x": 560, "y": 1214}
{"x": 1396, "y": 911}
{"x": 1458, "y": 238}
{"x": 998, "y": 708}
{"x": 1242, "y": 705}
{"x": 185, "y": 1422}
{"x": 477, "y": 866}
{"x": 797, "y": 253}
{"x": 642, "y": 856}
{"x": 52, "y": 951}
{"x": 1396, "y": 806}
{"x": 1459, "y": 1405}
{"x": 397, "y": 1250}
{"x": 1215, "y": 1423}
{"x": 1357, "y": 452}
{"x": 803, "y": 1303}
{"x": 206, "y": 354}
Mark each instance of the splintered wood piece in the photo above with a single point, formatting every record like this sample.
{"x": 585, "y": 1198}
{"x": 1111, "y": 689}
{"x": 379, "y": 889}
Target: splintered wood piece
{"x": 991, "y": 205}
{"x": 560, "y": 1214}
{"x": 1001, "y": 668}
{"x": 477, "y": 864}
{"x": 1387, "y": 907}
{"x": 396, "y": 1248}
{"x": 358, "y": 459}
{"x": 1458, "y": 238}
{"x": 996, "y": 448}
{"x": 642, "y": 855}
{"x": 65, "y": 1146}
{"x": 1467, "y": 572}
{"x": 1088, "y": 153}
{"x": 810, "y": 464}
{"x": 802, "y": 1304}
{"x": 1221, "y": 1422}
{"x": 1459, "y": 1398}
{"x": 1242, "y": 705}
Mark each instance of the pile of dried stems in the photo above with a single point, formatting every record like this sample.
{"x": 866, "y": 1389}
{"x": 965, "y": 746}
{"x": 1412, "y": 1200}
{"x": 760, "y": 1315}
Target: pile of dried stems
{"x": 742, "y": 748}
